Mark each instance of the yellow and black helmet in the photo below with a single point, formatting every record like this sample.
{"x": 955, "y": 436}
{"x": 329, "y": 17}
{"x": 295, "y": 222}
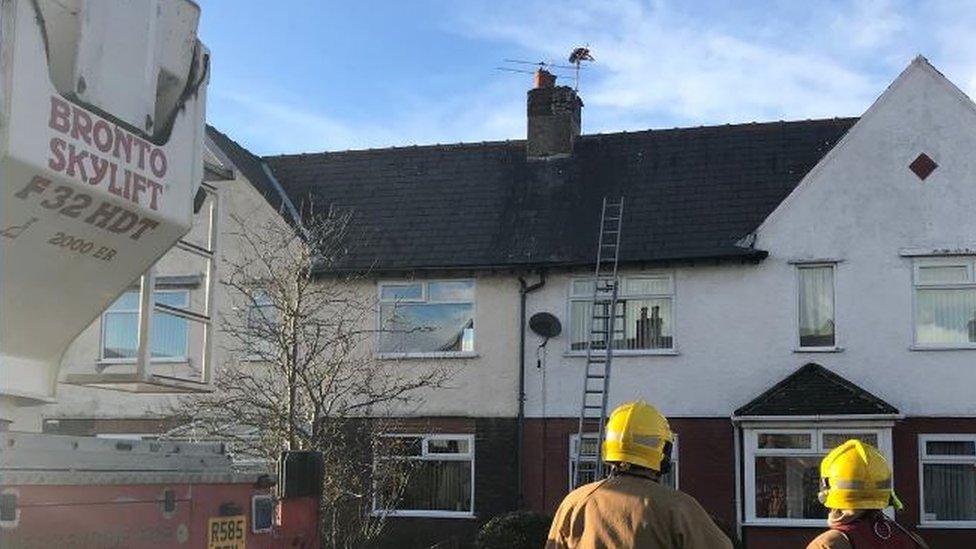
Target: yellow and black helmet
{"x": 638, "y": 434}
{"x": 856, "y": 475}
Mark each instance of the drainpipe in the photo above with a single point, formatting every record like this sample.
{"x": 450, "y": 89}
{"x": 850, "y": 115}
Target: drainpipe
{"x": 737, "y": 448}
{"x": 524, "y": 290}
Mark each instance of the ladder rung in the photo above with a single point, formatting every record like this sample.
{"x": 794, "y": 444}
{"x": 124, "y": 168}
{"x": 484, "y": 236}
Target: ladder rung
{"x": 195, "y": 249}
{"x": 595, "y": 376}
{"x": 594, "y": 391}
{"x": 181, "y": 312}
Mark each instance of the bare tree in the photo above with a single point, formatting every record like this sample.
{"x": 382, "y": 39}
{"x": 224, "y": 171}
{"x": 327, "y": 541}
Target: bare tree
{"x": 305, "y": 377}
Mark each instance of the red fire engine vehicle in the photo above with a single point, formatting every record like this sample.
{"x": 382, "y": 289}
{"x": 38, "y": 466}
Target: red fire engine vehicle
{"x": 102, "y": 110}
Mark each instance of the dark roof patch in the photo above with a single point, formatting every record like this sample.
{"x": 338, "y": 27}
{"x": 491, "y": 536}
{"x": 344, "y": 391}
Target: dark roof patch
{"x": 814, "y": 390}
{"x": 690, "y": 194}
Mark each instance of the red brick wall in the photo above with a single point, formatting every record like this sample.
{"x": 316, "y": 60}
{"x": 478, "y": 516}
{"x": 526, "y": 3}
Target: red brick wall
{"x": 905, "y": 446}
{"x": 705, "y": 456}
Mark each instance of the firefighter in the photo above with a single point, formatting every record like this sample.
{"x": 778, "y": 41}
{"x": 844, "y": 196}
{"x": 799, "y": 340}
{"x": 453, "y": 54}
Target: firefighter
{"x": 631, "y": 508}
{"x": 855, "y": 486}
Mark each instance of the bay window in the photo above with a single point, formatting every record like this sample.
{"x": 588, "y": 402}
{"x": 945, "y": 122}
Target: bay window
{"x": 815, "y": 303}
{"x": 948, "y": 479}
{"x": 438, "y": 472}
{"x": 783, "y": 471}
{"x": 426, "y": 318}
{"x": 647, "y": 306}
{"x": 120, "y": 328}
{"x": 945, "y": 302}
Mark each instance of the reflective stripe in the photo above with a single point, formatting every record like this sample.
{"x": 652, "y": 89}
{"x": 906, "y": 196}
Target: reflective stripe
{"x": 644, "y": 440}
{"x": 860, "y": 484}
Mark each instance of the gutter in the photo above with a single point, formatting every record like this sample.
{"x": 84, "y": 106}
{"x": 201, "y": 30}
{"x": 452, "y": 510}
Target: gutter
{"x": 524, "y": 290}
{"x": 285, "y": 201}
{"x": 816, "y": 418}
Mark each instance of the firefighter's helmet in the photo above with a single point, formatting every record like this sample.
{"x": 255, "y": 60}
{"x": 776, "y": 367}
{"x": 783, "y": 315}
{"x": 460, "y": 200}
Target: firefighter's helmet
{"x": 638, "y": 434}
{"x": 856, "y": 475}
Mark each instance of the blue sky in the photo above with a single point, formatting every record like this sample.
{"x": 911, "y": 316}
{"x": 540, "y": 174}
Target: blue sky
{"x": 304, "y": 75}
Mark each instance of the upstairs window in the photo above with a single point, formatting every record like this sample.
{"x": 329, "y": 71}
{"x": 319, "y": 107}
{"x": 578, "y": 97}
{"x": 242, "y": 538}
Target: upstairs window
{"x": 945, "y": 302}
{"x": 120, "y": 328}
{"x": 647, "y": 304}
{"x": 261, "y": 328}
{"x": 815, "y": 300}
{"x": 426, "y": 318}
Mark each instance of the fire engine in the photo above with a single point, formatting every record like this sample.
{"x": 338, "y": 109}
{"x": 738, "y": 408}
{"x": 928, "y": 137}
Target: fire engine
{"x": 102, "y": 113}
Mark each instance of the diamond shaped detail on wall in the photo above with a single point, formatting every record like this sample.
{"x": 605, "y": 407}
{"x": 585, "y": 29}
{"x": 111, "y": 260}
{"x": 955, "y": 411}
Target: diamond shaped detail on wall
{"x": 923, "y": 166}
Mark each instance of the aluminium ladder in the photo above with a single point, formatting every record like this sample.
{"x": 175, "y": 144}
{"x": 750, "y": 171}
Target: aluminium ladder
{"x": 606, "y": 327}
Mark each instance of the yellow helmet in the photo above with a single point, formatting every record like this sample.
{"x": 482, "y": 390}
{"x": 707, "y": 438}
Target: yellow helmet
{"x": 638, "y": 434}
{"x": 856, "y": 475}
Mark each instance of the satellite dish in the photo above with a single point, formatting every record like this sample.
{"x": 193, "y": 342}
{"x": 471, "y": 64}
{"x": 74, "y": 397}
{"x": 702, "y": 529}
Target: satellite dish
{"x": 545, "y": 325}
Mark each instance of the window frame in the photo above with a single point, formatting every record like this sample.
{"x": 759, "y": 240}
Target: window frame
{"x": 254, "y": 523}
{"x": 797, "y": 341}
{"x": 425, "y": 455}
{"x": 924, "y": 458}
{"x": 751, "y": 450}
{"x": 673, "y": 296}
{"x": 939, "y": 261}
{"x": 423, "y": 299}
{"x": 185, "y": 358}
{"x": 255, "y": 357}
{"x": 573, "y": 441}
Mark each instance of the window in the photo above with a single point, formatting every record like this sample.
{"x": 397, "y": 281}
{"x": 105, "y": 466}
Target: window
{"x": 783, "y": 471}
{"x": 261, "y": 325}
{"x": 426, "y": 318}
{"x": 945, "y": 303}
{"x": 439, "y": 470}
{"x": 948, "y": 477}
{"x": 647, "y": 304}
{"x": 815, "y": 304}
{"x": 120, "y": 328}
{"x": 262, "y": 514}
{"x": 591, "y": 453}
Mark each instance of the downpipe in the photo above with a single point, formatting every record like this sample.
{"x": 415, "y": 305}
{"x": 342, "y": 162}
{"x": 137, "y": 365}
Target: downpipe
{"x": 524, "y": 290}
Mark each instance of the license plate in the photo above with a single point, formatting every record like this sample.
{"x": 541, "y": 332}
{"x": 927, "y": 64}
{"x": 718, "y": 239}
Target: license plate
{"x": 227, "y": 532}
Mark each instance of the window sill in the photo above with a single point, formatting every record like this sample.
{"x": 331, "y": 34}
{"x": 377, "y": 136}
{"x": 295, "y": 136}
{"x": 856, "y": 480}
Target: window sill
{"x": 953, "y": 525}
{"x": 426, "y": 514}
{"x": 835, "y": 349}
{"x": 131, "y": 361}
{"x": 423, "y": 356}
{"x": 787, "y": 523}
{"x": 628, "y": 353}
{"x": 942, "y": 348}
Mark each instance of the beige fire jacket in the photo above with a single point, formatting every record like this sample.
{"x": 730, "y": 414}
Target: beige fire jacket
{"x": 632, "y": 511}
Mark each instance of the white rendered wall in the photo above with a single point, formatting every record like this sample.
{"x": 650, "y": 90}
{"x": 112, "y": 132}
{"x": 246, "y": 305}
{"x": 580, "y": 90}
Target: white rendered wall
{"x": 735, "y": 325}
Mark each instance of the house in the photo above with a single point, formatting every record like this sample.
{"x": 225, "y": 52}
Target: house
{"x": 787, "y": 285}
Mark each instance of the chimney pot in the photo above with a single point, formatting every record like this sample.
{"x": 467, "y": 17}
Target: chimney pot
{"x": 544, "y": 79}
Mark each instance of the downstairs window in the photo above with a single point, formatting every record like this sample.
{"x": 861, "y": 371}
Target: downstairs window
{"x": 435, "y": 473}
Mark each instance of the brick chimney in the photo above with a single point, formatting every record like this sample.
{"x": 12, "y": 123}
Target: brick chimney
{"x": 554, "y": 117}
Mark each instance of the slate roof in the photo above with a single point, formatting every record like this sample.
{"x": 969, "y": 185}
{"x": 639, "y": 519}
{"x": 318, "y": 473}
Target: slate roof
{"x": 815, "y": 390}
{"x": 690, "y": 193}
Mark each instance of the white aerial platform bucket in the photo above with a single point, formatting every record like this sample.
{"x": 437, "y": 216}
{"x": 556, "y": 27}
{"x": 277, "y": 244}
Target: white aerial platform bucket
{"x": 102, "y": 109}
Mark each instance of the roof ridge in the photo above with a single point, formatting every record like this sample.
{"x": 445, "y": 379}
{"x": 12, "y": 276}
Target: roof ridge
{"x": 587, "y": 137}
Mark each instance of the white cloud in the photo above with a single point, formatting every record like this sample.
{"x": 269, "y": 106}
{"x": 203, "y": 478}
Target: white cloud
{"x": 659, "y": 63}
